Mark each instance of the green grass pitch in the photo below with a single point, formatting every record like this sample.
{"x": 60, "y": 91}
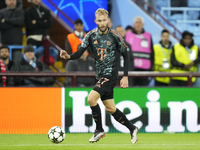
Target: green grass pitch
{"x": 112, "y": 141}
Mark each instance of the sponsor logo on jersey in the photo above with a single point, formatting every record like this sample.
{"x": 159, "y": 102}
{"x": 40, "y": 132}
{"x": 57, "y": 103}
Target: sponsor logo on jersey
{"x": 102, "y": 53}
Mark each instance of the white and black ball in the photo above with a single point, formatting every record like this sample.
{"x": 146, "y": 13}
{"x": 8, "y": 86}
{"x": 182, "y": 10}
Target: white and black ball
{"x": 56, "y": 134}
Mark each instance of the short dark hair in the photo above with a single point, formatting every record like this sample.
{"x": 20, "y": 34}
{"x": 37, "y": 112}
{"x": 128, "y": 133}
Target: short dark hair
{"x": 164, "y": 31}
{"x": 28, "y": 48}
{"x": 185, "y": 33}
{"x": 4, "y": 46}
{"x": 77, "y": 21}
{"x": 128, "y": 27}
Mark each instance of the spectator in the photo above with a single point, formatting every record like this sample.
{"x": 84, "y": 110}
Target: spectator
{"x": 5, "y": 81}
{"x": 19, "y": 4}
{"x": 29, "y": 63}
{"x": 162, "y": 62}
{"x": 184, "y": 58}
{"x": 11, "y": 22}
{"x": 73, "y": 40}
{"x": 129, "y": 28}
{"x": 142, "y": 49}
{"x": 38, "y": 21}
{"x": 121, "y": 30}
{"x": 84, "y": 63}
{"x": 5, "y": 55}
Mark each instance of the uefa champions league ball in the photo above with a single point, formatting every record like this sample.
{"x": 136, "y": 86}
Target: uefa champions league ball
{"x": 56, "y": 134}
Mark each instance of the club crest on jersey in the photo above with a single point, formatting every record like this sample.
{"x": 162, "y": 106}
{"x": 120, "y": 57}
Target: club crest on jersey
{"x": 95, "y": 42}
{"x": 108, "y": 43}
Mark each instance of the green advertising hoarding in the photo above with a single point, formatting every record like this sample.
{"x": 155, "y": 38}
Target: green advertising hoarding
{"x": 151, "y": 109}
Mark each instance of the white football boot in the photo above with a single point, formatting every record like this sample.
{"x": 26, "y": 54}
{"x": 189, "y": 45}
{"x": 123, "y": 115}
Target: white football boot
{"x": 97, "y": 136}
{"x": 134, "y": 135}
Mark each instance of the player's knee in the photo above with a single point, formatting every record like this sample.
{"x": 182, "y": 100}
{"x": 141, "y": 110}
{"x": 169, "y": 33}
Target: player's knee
{"x": 111, "y": 110}
{"x": 91, "y": 101}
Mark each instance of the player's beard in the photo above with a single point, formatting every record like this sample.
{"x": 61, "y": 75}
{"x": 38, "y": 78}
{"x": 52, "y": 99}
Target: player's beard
{"x": 106, "y": 27}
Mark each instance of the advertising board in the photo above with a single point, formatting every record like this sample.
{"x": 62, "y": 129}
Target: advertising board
{"x": 151, "y": 109}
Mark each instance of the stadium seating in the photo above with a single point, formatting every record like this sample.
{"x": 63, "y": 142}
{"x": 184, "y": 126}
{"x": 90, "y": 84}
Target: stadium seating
{"x": 188, "y": 20}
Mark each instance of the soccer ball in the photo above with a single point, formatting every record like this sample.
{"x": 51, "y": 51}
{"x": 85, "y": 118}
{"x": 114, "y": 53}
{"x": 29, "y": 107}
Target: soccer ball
{"x": 56, "y": 134}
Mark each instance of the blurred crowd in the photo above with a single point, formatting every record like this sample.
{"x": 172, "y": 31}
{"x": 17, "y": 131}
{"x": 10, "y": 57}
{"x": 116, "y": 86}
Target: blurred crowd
{"x": 144, "y": 55}
{"x": 37, "y": 20}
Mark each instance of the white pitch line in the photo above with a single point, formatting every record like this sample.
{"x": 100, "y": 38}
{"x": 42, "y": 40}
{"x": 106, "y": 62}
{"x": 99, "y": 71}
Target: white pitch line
{"x": 23, "y": 145}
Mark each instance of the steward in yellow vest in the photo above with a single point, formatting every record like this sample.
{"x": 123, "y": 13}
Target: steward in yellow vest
{"x": 184, "y": 58}
{"x": 162, "y": 53}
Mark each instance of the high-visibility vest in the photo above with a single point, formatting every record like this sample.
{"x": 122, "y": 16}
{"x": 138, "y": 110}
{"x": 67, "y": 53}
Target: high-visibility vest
{"x": 182, "y": 56}
{"x": 141, "y": 48}
{"x": 74, "y": 42}
{"x": 159, "y": 54}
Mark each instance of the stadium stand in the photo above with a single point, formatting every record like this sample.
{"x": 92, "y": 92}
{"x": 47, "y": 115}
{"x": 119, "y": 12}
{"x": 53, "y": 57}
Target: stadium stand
{"x": 188, "y": 19}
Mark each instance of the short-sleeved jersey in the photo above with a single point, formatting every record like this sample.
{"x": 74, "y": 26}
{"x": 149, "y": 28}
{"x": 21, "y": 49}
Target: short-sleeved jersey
{"x": 106, "y": 49}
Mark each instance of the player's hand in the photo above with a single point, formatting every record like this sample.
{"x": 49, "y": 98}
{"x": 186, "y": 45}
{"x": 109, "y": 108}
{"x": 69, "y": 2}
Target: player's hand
{"x": 64, "y": 54}
{"x": 124, "y": 82}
